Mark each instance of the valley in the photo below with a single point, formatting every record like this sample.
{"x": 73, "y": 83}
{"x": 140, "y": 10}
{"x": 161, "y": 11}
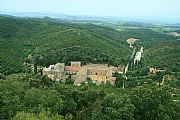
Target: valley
{"x": 88, "y": 69}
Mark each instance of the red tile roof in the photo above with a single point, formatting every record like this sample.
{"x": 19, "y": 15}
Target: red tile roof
{"x": 112, "y": 78}
{"x": 71, "y": 68}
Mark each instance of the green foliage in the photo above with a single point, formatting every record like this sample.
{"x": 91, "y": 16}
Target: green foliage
{"x": 20, "y": 99}
{"x": 144, "y": 71}
{"x": 164, "y": 55}
{"x": 50, "y": 43}
{"x": 119, "y": 80}
{"x": 153, "y": 103}
{"x": 36, "y": 97}
{"x": 116, "y": 108}
{"x": 44, "y": 115}
{"x": 69, "y": 81}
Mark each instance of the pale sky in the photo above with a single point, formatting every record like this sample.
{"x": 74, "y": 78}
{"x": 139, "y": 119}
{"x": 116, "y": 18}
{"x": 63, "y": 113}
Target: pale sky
{"x": 119, "y": 8}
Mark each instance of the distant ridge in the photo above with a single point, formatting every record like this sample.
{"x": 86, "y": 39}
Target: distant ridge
{"x": 152, "y": 19}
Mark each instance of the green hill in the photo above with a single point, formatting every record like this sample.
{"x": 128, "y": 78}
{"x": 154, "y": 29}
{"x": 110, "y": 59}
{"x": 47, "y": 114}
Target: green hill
{"x": 51, "y": 40}
{"x": 165, "y": 55}
{"x": 55, "y": 42}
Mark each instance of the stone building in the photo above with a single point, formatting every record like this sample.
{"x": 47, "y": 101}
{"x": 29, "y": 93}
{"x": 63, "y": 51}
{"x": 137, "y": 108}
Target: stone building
{"x": 155, "y": 70}
{"x": 55, "y": 72}
{"x": 97, "y": 72}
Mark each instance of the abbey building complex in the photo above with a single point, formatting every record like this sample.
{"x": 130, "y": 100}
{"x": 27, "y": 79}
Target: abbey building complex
{"x": 98, "y": 73}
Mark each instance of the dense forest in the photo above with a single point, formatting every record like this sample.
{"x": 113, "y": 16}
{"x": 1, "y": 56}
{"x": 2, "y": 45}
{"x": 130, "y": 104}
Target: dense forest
{"x": 137, "y": 95}
{"x": 166, "y": 55}
{"x": 64, "y": 42}
{"x": 55, "y": 43}
{"x": 29, "y": 97}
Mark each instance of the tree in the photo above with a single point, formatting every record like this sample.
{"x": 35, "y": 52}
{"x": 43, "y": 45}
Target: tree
{"x": 69, "y": 81}
{"x": 44, "y": 115}
{"x": 159, "y": 77}
{"x": 46, "y": 81}
{"x": 114, "y": 108}
{"x": 153, "y": 103}
{"x": 2, "y": 76}
{"x": 108, "y": 83}
{"x": 37, "y": 100}
{"x": 38, "y": 61}
{"x": 143, "y": 71}
{"x": 119, "y": 80}
{"x": 0, "y": 66}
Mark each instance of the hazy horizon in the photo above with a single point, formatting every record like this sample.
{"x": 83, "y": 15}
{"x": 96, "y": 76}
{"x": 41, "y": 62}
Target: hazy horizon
{"x": 149, "y": 9}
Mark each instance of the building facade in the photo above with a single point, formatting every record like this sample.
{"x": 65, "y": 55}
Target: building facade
{"x": 98, "y": 73}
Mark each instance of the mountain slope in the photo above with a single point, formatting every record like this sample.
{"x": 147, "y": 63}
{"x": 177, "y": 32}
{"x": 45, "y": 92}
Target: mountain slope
{"x": 165, "y": 55}
{"x": 55, "y": 42}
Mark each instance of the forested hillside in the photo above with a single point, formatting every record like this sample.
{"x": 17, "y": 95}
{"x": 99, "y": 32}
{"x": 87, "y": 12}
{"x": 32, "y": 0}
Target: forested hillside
{"x": 61, "y": 41}
{"x": 165, "y": 55}
{"x": 136, "y": 95}
{"x": 54, "y": 42}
